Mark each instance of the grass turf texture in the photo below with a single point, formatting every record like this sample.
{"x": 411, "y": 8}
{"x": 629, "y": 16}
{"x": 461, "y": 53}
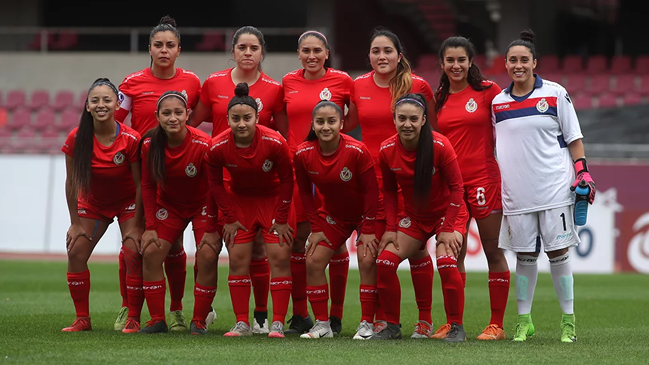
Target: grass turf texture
{"x": 612, "y": 326}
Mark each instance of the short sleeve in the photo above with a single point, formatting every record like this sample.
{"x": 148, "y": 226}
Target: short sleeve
{"x": 279, "y": 101}
{"x": 205, "y": 93}
{"x": 365, "y": 160}
{"x": 567, "y": 116}
{"x": 68, "y": 145}
{"x": 349, "y": 87}
{"x": 425, "y": 89}
{"x": 446, "y": 153}
{"x": 199, "y": 92}
{"x": 492, "y": 91}
{"x": 133, "y": 146}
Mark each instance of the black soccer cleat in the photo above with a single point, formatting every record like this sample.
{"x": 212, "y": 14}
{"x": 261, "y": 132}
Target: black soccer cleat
{"x": 299, "y": 325}
{"x": 391, "y": 332}
{"x": 336, "y": 325}
{"x": 157, "y": 327}
{"x": 456, "y": 334}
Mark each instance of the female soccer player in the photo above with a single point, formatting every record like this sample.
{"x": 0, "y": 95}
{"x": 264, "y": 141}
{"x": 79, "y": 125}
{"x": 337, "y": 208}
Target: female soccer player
{"x": 101, "y": 154}
{"x": 538, "y": 139}
{"x": 373, "y": 99}
{"x": 174, "y": 193}
{"x": 248, "y": 50}
{"x": 139, "y": 93}
{"x": 303, "y": 89}
{"x": 423, "y": 164}
{"x": 257, "y": 200}
{"x": 342, "y": 170}
{"x": 463, "y": 106}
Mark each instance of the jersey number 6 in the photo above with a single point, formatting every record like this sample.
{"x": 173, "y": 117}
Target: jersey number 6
{"x": 480, "y": 196}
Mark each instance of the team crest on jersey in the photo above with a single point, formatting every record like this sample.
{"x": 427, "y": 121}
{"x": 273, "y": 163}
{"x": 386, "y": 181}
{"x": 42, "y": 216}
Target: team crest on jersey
{"x": 325, "y": 94}
{"x": 161, "y": 214}
{"x": 542, "y": 106}
{"x": 119, "y": 158}
{"x": 260, "y": 105}
{"x": 471, "y": 106}
{"x": 330, "y": 220}
{"x": 191, "y": 170}
{"x": 268, "y": 164}
{"x": 405, "y": 222}
{"x": 345, "y": 174}
{"x": 184, "y": 92}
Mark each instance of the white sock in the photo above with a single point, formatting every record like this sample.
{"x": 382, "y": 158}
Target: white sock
{"x": 561, "y": 271}
{"x": 527, "y": 272}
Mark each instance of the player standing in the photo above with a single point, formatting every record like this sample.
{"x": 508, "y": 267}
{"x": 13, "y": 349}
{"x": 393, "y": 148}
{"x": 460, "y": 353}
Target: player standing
{"x": 303, "y": 89}
{"x": 138, "y": 94}
{"x": 174, "y": 193}
{"x": 257, "y": 200}
{"x": 538, "y": 139}
{"x": 101, "y": 154}
{"x": 463, "y": 105}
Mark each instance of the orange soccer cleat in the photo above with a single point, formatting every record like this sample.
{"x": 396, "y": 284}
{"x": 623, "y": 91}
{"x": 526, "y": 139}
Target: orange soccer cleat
{"x": 491, "y": 333}
{"x": 132, "y": 325}
{"x": 442, "y": 332}
{"x": 80, "y": 324}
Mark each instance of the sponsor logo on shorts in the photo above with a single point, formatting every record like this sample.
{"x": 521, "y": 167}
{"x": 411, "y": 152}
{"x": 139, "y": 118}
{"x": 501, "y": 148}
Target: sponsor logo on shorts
{"x": 130, "y": 207}
{"x": 268, "y": 164}
{"x": 385, "y": 262}
{"x": 162, "y": 214}
{"x": 345, "y": 174}
{"x": 191, "y": 170}
{"x": 82, "y": 211}
{"x": 119, "y": 158}
{"x": 405, "y": 222}
{"x": 542, "y": 106}
{"x": 260, "y": 105}
{"x": 471, "y": 106}
{"x": 564, "y": 236}
{"x": 325, "y": 94}
{"x": 330, "y": 220}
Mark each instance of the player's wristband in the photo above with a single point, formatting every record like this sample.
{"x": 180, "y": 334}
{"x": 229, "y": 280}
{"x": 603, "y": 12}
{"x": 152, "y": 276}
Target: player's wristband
{"x": 581, "y": 165}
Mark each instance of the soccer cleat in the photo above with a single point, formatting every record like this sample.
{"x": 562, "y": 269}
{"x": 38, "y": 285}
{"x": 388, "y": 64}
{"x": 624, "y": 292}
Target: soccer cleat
{"x": 390, "y": 332}
{"x": 568, "y": 333}
{"x": 299, "y": 325}
{"x": 198, "y": 328}
{"x": 456, "y": 333}
{"x": 240, "y": 329}
{"x": 154, "y": 326}
{"x": 276, "y": 330}
{"x": 524, "y": 328}
{"x": 177, "y": 321}
{"x": 423, "y": 329}
{"x": 211, "y": 317}
{"x": 321, "y": 329}
{"x": 80, "y": 324}
{"x": 336, "y": 325}
{"x": 260, "y": 328}
{"x": 132, "y": 325}
{"x": 441, "y": 332}
{"x": 120, "y": 322}
{"x": 364, "y": 331}
{"x": 379, "y": 326}
{"x": 492, "y": 332}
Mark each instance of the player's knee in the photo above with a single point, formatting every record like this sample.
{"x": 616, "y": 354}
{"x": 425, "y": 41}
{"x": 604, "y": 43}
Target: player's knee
{"x": 206, "y": 258}
{"x": 366, "y": 263}
{"x": 315, "y": 264}
{"x": 78, "y": 255}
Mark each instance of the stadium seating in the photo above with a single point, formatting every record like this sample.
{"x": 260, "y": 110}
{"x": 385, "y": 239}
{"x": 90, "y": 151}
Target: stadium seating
{"x": 596, "y": 64}
{"x": 548, "y": 64}
{"x": 39, "y": 99}
{"x": 63, "y": 99}
{"x": 575, "y": 83}
{"x": 572, "y": 64}
{"x": 44, "y": 118}
{"x": 69, "y": 120}
{"x": 599, "y": 83}
{"x": 642, "y": 65}
{"x": 620, "y": 64}
{"x": 624, "y": 83}
{"x": 631, "y": 99}
{"x": 15, "y": 99}
{"x": 607, "y": 100}
{"x": 19, "y": 118}
{"x": 211, "y": 41}
{"x": 582, "y": 102}
{"x": 643, "y": 88}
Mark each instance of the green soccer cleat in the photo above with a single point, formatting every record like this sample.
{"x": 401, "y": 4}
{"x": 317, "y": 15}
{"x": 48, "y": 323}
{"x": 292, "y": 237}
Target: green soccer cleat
{"x": 568, "y": 328}
{"x": 177, "y": 321}
{"x": 524, "y": 328}
{"x": 120, "y": 322}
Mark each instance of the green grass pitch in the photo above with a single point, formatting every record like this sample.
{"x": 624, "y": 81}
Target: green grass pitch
{"x": 612, "y": 326}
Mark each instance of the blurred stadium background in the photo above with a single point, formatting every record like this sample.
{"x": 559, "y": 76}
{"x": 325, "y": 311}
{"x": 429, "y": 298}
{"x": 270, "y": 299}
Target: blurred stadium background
{"x": 51, "y": 51}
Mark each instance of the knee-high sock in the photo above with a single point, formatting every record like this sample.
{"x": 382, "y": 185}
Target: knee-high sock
{"x": 154, "y": 292}
{"x": 561, "y": 272}
{"x": 389, "y": 286}
{"x": 527, "y": 272}
{"x": 240, "y": 296}
{"x": 122, "y": 278}
{"x": 298, "y": 272}
{"x": 280, "y": 290}
{"x": 79, "y": 286}
{"x": 498, "y": 295}
{"x": 452, "y": 288}
{"x": 421, "y": 272}
{"x": 176, "y": 270}
{"x": 133, "y": 262}
{"x": 369, "y": 295}
{"x": 338, "y": 272}
{"x": 319, "y": 299}
{"x": 203, "y": 297}
{"x": 260, "y": 276}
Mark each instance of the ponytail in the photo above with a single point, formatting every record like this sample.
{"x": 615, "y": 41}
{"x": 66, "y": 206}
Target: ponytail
{"x": 157, "y": 147}
{"x": 401, "y": 83}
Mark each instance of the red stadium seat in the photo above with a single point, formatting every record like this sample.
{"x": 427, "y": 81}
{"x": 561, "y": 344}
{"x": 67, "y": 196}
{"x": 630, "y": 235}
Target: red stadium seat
{"x": 427, "y": 62}
{"x": 44, "y": 118}
{"x": 81, "y": 101}
{"x": 19, "y": 118}
{"x": 620, "y": 64}
{"x": 576, "y": 83}
{"x": 26, "y": 132}
{"x": 548, "y": 64}
{"x": 5, "y": 133}
{"x": 50, "y": 132}
{"x": 15, "y": 99}
{"x": 624, "y": 83}
{"x": 39, "y": 99}
{"x": 582, "y": 102}
{"x": 631, "y": 99}
{"x": 65, "y": 40}
{"x": 643, "y": 88}
{"x": 554, "y": 77}
{"x": 69, "y": 120}
{"x": 480, "y": 60}
{"x": 642, "y": 65}
{"x": 599, "y": 84}
{"x": 607, "y": 100}
{"x": 212, "y": 41}
{"x": 572, "y": 63}
{"x": 596, "y": 64}
{"x": 63, "y": 99}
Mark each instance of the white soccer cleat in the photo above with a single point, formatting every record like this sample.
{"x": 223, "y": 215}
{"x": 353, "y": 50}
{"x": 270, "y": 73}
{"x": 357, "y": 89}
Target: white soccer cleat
{"x": 211, "y": 317}
{"x": 321, "y": 329}
{"x": 364, "y": 331}
{"x": 423, "y": 329}
{"x": 260, "y": 330}
{"x": 240, "y": 329}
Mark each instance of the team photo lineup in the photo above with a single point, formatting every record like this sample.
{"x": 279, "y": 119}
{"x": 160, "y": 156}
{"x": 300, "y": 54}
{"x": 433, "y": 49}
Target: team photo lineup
{"x": 282, "y": 186}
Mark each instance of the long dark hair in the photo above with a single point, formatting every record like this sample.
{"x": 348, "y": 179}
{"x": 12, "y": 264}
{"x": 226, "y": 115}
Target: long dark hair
{"x": 323, "y": 104}
{"x": 248, "y": 29}
{"x": 526, "y": 39}
{"x": 158, "y": 142}
{"x": 322, "y": 38}
{"x": 84, "y": 142}
{"x": 401, "y": 83}
{"x": 167, "y": 24}
{"x": 424, "y": 167}
{"x": 474, "y": 76}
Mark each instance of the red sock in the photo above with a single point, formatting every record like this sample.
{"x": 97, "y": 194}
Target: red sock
{"x": 380, "y": 313}
{"x": 498, "y": 295}
{"x": 203, "y": 297}
{"x": 463, "y": 275}
{"x": 240, "y": 296}
{"x": 133, "y": 261}
{"x": 338, "y": 271}
{"x": 369, "y": 296}
{"x": 319, "y": 299}
{"x": 154, "y": 292}
{"x": 280, "y": 289}
{"x": 260, "y": 275}
{"x": 79, "y": 285}
{"x": 176, "y": 271}
{"x": 298, "y": 272}
{"x": 122, "y": 278}
{"x": 389, "y": 286}
{"x": 421, "y": 271}
{"x": 452, "y": 288}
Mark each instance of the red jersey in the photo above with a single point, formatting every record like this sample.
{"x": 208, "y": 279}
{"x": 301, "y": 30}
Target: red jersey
{"x": 218, "y": 89}
{"x": 262, "y": 169}
{"x": 338, "y": 179}
{"x": 111, "y": 167}
{"x": 140, "y": 91}
{"x": 374, "y": 109}
{"x": 185, "y": 185}
{"x": 301, "y": 96}
{"x": 447, "y": 190}
{"x": 465, "y": 119}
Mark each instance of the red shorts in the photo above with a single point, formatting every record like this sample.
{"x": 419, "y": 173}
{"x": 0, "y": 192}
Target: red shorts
{"x": 483, "y": 199}
{"x": 257, "y": 214}
{"x": 336, "y": 230}
{"x": 300, "y": 214}
{"x": 170, "y": 224}
{"x": 423, "y": 231}
{"x": 123, "y": 212}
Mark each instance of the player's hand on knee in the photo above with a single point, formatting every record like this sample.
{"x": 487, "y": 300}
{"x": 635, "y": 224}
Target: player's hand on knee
{"x": 284, "y": 232}
{"x": 313, "y": 240}
{"x": 450, "y": 242}
{"x": 149, "y": 237}
{"x": 230, "y": 231}
{"x": 211, "y": 239}
{"x": 75, "y": 231}
{"x": 135, "y": 235}
{"x": 388, "y": 238}
{"x": 370, "y": 244}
